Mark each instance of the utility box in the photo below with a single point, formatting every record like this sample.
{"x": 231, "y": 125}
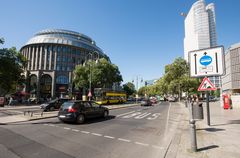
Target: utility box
{"x": 197, "y": 110}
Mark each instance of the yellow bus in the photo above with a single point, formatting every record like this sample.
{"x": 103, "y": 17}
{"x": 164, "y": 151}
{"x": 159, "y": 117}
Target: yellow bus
{"x": 106, "y": 96}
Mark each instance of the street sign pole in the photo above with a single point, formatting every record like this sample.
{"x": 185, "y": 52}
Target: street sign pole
{"x": 208, "y": 109}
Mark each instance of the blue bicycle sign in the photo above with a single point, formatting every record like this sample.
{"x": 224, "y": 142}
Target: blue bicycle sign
{"x": 205, "y": 60}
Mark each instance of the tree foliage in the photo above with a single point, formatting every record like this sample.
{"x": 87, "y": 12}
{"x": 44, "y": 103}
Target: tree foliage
{"x": 176, "y": 79}
{"x": 129, "y": 88}
{"x": 102, "y": 74}
{"x": 11, "y": 69}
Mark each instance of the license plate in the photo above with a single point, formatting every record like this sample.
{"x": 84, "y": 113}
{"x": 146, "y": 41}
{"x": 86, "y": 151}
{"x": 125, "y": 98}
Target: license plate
{"x": 62, "y": 116}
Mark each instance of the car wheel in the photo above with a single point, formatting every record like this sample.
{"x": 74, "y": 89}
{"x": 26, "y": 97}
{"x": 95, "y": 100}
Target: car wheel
{"x": 81, "y": 119}
{"x": 105, "y": 114}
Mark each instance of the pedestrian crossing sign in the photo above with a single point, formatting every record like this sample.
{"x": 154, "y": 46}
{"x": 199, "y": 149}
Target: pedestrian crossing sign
{"x": 206, "y": 85}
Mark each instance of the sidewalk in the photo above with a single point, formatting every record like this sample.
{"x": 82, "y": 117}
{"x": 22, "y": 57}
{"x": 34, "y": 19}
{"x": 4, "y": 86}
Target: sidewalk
{"x": 221, "y": 139}
{"x": 37, "y": 115}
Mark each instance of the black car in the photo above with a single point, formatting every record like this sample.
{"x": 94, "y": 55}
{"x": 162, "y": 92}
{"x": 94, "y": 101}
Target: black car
{"x": 53, "y": 104}
{"x": 146, "y": 102}
{"x": 79, "y": 111}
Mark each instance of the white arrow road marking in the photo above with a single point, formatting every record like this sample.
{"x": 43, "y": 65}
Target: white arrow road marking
{"x": 142, "y": 115}
{"x": 125, "y": 113}
{"x": 132, "y": 115}
{"x": 154, "y": 116}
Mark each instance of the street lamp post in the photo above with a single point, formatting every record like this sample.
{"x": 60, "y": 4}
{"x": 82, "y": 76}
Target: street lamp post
{"x": 137, "y": 77}
{"x": 90, "y": 73}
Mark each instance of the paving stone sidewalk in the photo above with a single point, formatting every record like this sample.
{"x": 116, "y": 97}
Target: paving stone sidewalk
{"x": 219, "y": 140}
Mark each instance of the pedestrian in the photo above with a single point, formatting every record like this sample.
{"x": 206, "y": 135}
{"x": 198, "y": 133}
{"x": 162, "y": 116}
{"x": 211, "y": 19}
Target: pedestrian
{"x": 230, "y": 101}
{"x": 10, "y": 101}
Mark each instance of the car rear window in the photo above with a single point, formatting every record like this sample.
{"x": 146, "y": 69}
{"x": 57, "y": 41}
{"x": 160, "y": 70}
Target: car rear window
{"x": 66, "y": 105}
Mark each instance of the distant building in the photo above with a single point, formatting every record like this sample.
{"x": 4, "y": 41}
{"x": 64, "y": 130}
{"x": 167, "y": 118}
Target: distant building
{"x": 231, "y": 80}
{"x": 52, "y": 55}
{"x": 200, "y": 30}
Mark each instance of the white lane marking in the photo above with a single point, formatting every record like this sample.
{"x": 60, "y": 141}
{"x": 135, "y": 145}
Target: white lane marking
{"x": 142, "y": 115}
{"x": 125, "y": 113}
{"x": 132, "y": 115}
{"x": 143, "y": 144}
{"x": 158, "y": 147}
{"x": 96, "y": 134}
{"x": 124, "y": 140}
{"x": 66, "y": 128}
{"x": 154, "y": 116}
{"x": 109, "y": 137}
{"x": 85, "y": 132}
{"x": 45, "y": 124}
{"x": 75, "y": 130}
{"x": 166, "y": 126}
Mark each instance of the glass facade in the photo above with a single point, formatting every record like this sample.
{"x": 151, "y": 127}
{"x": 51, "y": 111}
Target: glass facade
{"x": 56, "y": 52}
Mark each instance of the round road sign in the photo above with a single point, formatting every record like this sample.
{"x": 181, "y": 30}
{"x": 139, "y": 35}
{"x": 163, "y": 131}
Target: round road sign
{"x": 205, "y": 60}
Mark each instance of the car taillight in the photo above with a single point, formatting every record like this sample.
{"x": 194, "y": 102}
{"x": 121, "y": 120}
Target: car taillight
{"x": 70, "y": 109}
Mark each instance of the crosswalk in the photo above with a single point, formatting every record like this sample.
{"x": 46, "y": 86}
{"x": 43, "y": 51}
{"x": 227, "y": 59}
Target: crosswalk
{"x": 139, "y": 115}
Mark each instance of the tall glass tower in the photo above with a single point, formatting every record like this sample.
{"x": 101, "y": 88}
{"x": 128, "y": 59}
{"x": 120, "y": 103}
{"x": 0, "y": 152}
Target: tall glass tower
{"x": 200, "y": 30}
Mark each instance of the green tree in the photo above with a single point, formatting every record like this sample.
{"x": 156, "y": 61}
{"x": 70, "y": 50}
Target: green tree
{"x": 11, "y": 69}
{"x": 129, "y": 88}
{"x": 176, "y": 79}
{"x": 1, "y": 40}
{"x": 102, "y": 74}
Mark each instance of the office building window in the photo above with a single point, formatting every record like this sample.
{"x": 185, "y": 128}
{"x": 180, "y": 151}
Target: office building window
{"x": 62, "y": 80}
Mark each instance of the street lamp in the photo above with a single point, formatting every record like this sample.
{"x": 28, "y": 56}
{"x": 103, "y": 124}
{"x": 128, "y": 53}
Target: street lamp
{"x": 90, "y": 72}
{"x": 137, "y": 77}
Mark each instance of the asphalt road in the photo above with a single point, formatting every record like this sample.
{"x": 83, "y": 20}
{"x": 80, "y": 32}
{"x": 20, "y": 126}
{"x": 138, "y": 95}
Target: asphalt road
{"x": 142, "y": 132}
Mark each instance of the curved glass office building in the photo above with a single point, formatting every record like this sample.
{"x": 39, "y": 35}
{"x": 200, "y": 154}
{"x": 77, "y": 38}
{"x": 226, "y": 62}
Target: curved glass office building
{"x": 52, "y": 55}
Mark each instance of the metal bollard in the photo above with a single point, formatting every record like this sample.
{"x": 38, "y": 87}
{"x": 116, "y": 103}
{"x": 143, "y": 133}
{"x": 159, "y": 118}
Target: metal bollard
{"x": 193, "y": 135}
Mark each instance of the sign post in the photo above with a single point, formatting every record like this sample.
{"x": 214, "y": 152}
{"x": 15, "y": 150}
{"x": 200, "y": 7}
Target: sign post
{"x": 203, "y": 63}
{"x": 207, "y": 62}
{"x": 207, "y": 86}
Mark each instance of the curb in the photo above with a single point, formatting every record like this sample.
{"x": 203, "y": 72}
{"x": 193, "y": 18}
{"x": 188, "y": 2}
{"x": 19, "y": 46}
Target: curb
{"x": 176, "y": 139}
{"x": 121, "y": 107}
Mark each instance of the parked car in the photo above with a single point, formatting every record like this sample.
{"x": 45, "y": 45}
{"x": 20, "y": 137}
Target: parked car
{"x": 146, "y": 102}
{"x": 53, "y": 104}
{"x": 172, "y": 99}
{"x": 79, "y": 111}
{"x": 154, "y": 101}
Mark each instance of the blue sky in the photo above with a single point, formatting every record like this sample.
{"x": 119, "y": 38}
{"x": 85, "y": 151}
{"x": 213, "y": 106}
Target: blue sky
{"x": 140, "y": 36}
